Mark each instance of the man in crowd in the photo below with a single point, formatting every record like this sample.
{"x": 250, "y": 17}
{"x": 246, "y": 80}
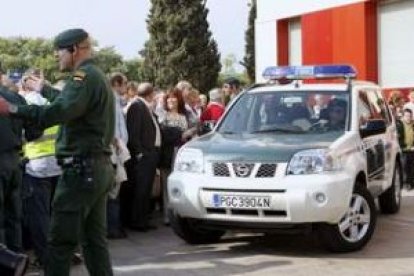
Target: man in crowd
{"x": 405, "y": 129}
{"x": 231, "y": 88}
{"x": 39, "y": 181}
{"x": 410, "y": 104}
{"x": 118, "y": 83}
{"x": 11, "y": 130}
{"x": 144, "y": 142}
{"x": 85, "y": 112}
{"x": 214, "y": 109}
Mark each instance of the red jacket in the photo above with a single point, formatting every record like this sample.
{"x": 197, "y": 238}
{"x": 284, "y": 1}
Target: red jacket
{"x": 212, "y": 112}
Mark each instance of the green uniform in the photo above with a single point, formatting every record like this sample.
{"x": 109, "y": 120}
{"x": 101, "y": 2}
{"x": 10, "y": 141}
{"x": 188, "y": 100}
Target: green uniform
{"x": 11, "y": 130}
{"x": 85, "y": 112}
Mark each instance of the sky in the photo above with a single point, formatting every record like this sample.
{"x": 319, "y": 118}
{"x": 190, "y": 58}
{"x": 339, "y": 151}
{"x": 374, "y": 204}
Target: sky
{"x": 118, "y": 23}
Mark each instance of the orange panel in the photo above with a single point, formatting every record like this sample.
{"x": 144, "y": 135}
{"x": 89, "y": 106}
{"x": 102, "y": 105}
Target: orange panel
{"x": 355, "y": 38}
{"x": 317, "y": 37}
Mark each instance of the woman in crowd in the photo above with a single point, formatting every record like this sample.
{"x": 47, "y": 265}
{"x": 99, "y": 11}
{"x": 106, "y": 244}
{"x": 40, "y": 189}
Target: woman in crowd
{"x": 175, "y": 117}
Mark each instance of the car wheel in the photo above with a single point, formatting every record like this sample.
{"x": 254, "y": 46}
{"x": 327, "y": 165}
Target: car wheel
{"x": 390, "y": 200}
{"x": 191, "y": 232}
{"x": 355, "y": 228}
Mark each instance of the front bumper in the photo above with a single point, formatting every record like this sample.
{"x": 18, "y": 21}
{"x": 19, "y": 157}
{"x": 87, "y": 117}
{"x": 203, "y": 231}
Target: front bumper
{"x": 293, "y": 198}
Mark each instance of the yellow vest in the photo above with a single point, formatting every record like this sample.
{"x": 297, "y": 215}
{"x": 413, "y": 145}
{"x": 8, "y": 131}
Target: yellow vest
{"x": 44, "y": 146}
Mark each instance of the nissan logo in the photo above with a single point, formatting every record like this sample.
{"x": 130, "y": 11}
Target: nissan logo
{"x": 242, "y": 170}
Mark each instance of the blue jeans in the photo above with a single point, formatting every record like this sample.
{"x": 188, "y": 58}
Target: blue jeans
{"x": 37, "y": 196}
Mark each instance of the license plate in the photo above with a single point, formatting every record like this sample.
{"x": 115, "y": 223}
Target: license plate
{"x": 241, "y": 201}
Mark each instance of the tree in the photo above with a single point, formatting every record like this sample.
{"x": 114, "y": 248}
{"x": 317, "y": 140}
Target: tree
{"x": 108, "y": 60}
{"x": 180, "y": 45}
{"x": 24, "y": 53}
{"x": 249, "y": 58}
{"x": 228, "y": 64}
{"x": 133, "y": 69}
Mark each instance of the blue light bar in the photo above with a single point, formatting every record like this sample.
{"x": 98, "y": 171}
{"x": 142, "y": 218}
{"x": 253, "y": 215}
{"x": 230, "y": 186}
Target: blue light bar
{"x": 309, "y": 72}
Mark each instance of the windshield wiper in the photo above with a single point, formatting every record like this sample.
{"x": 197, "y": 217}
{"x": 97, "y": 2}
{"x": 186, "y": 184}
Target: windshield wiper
{"x": 279, "y": 129}
{"x": 227, "y": 132}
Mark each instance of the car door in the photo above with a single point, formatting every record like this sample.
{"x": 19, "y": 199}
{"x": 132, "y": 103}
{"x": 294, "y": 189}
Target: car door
{"x": 374, "y": 146}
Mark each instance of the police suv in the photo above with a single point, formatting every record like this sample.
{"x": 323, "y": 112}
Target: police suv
{"x": 292, "y": 154}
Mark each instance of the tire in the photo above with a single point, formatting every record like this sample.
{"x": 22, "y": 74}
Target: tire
{"x": 189, "y": 230}
{"x": 355, "y": 228}
{"x": 390, "y": 200}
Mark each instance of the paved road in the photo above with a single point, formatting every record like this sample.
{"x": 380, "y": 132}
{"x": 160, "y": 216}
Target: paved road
{"x": 390, "y": 252}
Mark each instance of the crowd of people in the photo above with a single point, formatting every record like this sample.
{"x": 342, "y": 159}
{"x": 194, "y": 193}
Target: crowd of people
{"x": 149, "y": 125}
{"x": 403, "y": 111}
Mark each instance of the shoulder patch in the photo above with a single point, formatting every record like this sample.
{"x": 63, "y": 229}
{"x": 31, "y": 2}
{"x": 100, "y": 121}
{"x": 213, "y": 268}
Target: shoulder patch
{"x": 79, "y": 75}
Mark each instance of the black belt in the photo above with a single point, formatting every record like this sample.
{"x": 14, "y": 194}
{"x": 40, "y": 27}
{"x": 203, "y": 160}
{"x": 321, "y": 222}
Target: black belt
{"x": 74, "y": 160}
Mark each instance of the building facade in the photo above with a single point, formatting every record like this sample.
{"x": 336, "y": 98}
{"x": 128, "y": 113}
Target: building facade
{"x": 372, "y": 35}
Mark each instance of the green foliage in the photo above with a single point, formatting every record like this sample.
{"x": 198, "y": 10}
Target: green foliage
{"x": 249, "y": 58}
{"x": 134, "y": 70}
{"x": 108, "y": 60}
{"x": 180, "y": 45}
{"x": 24, "y": 53}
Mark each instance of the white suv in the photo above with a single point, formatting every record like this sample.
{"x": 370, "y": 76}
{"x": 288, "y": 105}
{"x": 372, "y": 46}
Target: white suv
{"x": 293, "y": 156}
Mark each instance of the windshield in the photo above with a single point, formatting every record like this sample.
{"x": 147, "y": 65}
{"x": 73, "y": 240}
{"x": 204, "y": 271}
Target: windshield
{"x": 287, "y": 112}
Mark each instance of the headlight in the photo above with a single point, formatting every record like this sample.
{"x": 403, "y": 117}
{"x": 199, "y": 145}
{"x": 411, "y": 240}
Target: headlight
{"x": 189, "y": 160}
{"x": 313, "y": 162}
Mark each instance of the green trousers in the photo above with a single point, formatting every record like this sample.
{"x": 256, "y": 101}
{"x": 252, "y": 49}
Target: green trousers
{"x": 79, "y": 217}
{"x": 10, "y": 201}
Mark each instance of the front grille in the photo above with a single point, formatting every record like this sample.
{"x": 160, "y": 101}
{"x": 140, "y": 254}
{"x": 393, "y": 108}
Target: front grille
{"x": 244, "y": 170}
{"x": 221, "y": 169}
{"x": 266, "y": 170}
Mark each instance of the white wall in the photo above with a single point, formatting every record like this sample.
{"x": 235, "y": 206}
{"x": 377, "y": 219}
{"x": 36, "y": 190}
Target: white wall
{"x": 276, "y": 9}
{"x": 295, "y": 41}
{"x": 266, "y": 47}
{"x": 395, "y": 44}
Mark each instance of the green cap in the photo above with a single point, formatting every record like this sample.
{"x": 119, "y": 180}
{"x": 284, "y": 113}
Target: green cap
{"x": 69, "y": 38}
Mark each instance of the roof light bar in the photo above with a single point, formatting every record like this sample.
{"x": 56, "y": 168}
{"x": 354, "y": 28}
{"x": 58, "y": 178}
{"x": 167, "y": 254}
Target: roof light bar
{"x": 309, "y": 72}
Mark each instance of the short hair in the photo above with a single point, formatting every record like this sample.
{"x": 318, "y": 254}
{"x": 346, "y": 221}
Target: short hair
{"x": 132, "y": 85}
{"x": 408, "y": 110}
{"x": 233, "y": 82}
{"x": 215, "y": 94}
{"x": 145, "y": 89}
{"x": 117, "y": 78}
{"x": 183, "y": 85}
{"x": 337, "y": 102}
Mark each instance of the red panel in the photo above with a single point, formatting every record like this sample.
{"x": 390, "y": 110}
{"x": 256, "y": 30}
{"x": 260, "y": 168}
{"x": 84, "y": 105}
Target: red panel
{"x": 283, "y": 42}
{"x": 355, "y": 38}
{"x": 346, "y": 34}
{"x": 371, "y": 36}
{"x": 317, "y": 37}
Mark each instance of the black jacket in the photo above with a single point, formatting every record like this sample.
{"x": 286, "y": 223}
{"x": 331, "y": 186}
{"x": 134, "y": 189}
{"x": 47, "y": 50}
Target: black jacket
{"x": 11, "y": 129}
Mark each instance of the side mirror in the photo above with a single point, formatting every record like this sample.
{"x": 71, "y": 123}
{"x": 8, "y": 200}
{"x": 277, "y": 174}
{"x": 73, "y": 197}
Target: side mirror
{"x": 373, "y": 127}
{"x": 207, "y": 127}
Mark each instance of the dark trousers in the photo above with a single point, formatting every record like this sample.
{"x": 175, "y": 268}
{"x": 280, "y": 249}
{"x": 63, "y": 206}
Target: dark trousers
{"x": 79, "y": 215}
{"x": 141, "y": 175}
{"x": 113, "y": 216}
{"x": 10, "y": 201}
{"x": 408, "y": 158}
{"x": 36, "y": 209}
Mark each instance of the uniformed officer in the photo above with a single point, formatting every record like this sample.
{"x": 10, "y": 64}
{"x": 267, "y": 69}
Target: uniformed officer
{"x": 85, "y": 111}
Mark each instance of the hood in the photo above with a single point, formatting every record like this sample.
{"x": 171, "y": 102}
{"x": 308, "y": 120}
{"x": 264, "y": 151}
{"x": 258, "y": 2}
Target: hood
{"x": 259, "y": 147}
